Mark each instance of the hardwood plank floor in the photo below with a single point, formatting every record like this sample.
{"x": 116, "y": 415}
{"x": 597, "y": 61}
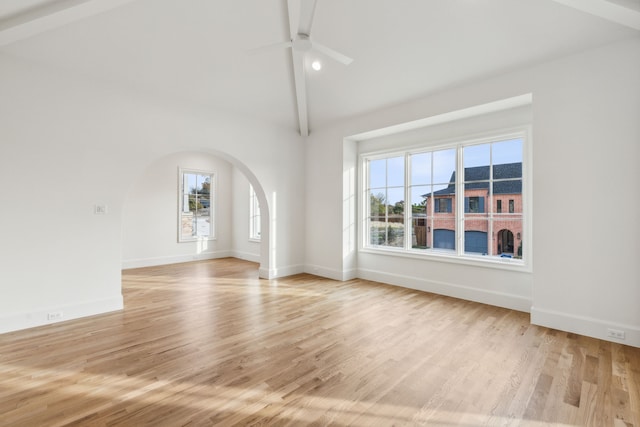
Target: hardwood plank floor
{"x": 208, "y": 343}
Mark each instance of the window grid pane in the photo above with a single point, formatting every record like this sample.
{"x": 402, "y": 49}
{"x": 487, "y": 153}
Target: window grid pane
{"x": 385, "y": 196}
{"x": 493, "y": 172}
{"x": 433, "y": 217}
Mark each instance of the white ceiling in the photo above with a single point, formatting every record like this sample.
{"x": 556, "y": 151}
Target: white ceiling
{"x": 196, "y": 50}
{"x": 10, "y": 8}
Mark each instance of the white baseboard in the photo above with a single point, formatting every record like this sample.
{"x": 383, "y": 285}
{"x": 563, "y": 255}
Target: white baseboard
{"x": 330, "y": 273}
{"x": 172, "y": 259}
{"x": 349, "y": 274}
{"x": 247, "y": 256}
{"x": 584, "y": 325}
{"x": 20, "y": 321}
{"x": 274, "y": 273}
{"x": 264, "y": 273}
{"x": 499, "y": 299}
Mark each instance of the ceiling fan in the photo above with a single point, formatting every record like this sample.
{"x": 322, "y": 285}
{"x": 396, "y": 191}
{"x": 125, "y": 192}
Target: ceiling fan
{"x": 300, "y": 22}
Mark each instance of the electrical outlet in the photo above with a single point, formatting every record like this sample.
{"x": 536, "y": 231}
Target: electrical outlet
{"x": 54, "y": 315}
{"x": 615, "y": 333}
{"x": 100, "y": 209}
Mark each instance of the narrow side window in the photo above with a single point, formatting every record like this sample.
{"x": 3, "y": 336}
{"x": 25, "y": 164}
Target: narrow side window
{"x": 196, "y": 198}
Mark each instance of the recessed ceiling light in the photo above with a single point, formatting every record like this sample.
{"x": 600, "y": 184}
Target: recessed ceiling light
{"x": 316, "y": 65}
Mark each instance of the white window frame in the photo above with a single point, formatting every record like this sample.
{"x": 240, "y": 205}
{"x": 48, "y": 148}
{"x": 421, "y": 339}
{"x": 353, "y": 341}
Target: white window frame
{"x": 254, "y": 216}
{"x": 457, "y": 256}
{"x": 212, "y": 204}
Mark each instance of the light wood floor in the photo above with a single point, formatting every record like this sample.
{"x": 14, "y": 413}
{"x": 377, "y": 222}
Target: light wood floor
{"x": 207, "y": 343}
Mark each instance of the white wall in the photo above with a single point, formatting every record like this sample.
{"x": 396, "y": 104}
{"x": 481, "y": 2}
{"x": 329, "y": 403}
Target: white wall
{"x": 150, "y": 216}
{"x": 587, "y": 131}
{"x": 241, "y": 246}
{"x": 68, "y": 144}
{"x": 586, "y": 233}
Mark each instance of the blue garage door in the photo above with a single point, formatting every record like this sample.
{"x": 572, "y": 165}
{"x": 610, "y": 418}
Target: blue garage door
{"x": 475, "y": 241}
{"x": 444, "y": 239}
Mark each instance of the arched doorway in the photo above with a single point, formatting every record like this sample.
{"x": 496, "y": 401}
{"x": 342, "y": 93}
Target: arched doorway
{"x": 505, "y": 242}
{"x": 150, "y": 228}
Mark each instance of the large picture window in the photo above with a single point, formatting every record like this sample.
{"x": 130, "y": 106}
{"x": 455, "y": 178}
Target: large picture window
{"x": 456, "y": 195}
{"x": 196, "y": 198}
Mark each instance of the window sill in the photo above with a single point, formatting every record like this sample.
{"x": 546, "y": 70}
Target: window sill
{"x": 471, "y": 260}
{"x": 197, "y": 239}
{"x": 253, "y": 240}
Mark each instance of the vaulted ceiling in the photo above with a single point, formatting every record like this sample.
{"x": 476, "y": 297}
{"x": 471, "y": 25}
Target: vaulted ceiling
{"x": 196, "y": 51}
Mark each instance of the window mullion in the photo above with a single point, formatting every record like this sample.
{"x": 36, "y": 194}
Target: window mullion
{"x": 408, "y": 209}
{"x": 491, "y": 231}
{"x": 459, "y": 201}
{"x": 366, "y": 206}
{"x": 386, "y": 201}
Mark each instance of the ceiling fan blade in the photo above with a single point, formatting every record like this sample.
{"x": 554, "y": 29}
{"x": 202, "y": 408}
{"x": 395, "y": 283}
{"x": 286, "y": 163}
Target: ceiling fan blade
{"x": 332, "y": 53}
{"x": 269, "y": 47}
{"x": 307, "y": 9}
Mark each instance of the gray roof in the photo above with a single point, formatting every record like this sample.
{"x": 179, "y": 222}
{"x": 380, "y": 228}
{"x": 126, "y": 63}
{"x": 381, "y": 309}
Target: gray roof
{"x": 481, "y": 175}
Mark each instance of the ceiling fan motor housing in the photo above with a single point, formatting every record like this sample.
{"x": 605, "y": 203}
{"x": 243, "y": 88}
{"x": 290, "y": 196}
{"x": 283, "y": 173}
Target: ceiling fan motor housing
{"x": 302, "y": 43}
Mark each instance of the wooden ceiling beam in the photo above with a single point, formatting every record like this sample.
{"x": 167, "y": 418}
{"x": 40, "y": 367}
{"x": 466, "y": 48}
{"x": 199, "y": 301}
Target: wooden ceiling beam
{"x": 296, "y": 13}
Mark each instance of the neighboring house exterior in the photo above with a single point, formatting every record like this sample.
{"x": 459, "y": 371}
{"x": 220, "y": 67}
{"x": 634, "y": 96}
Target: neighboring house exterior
{"x": 502, "y": 209}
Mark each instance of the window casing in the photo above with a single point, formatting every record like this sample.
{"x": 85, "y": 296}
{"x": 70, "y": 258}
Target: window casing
{"x": 481, "y": 174}
{"x": 196, "y": 205}
{"x": 254, "y": 215}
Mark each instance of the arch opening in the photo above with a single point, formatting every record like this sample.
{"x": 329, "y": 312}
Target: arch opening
{"x": 150, "y": 209}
